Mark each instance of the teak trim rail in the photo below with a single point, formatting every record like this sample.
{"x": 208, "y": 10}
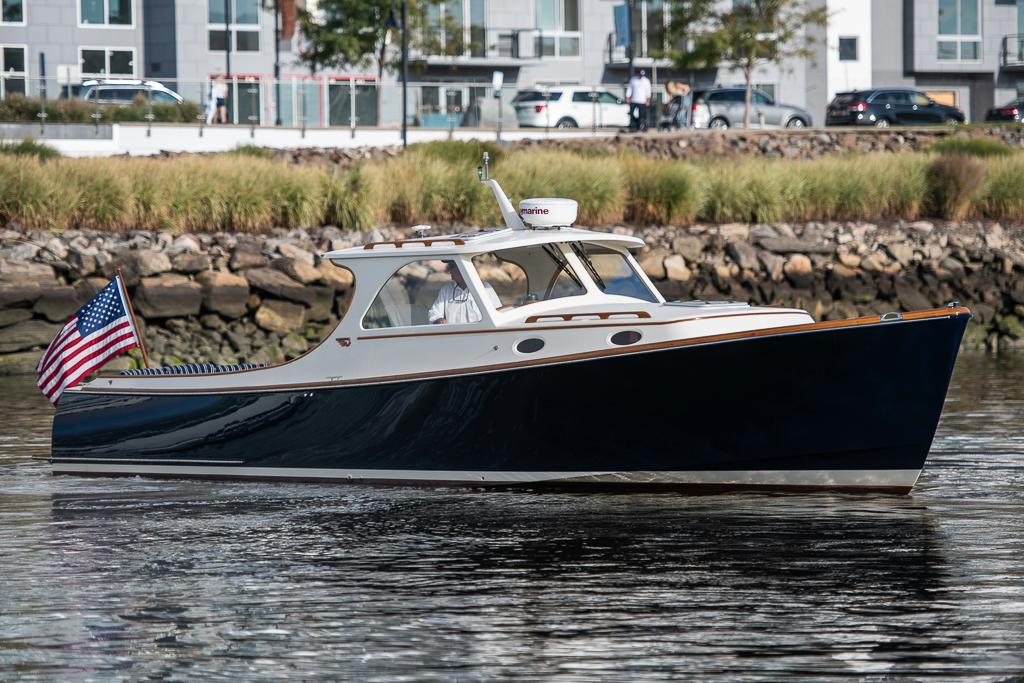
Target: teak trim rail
{"x": 398, "y": 244}
{"x": 566, "y": 317}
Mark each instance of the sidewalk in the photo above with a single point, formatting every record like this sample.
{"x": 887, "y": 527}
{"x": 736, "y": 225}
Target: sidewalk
{"x": 136, "y": 139}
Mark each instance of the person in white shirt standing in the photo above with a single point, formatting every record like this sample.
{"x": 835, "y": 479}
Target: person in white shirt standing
{"x": 638, "y": 94}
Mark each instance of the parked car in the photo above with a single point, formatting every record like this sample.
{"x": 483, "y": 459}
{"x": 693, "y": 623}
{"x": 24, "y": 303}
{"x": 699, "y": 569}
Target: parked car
{"x": 570, "y": 108}
{"x": 123, "y": 91}
{"x": 1011, "y": 111}
{"x": 722, "y": 107}
{"x": 884, "y": 107}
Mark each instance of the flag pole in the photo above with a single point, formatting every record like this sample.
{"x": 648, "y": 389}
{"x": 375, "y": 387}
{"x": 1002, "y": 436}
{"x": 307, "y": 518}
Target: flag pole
{"x": 131, "y": 312}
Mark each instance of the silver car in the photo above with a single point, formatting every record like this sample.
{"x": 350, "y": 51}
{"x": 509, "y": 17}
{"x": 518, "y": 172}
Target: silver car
{"x": 723, "y": 108}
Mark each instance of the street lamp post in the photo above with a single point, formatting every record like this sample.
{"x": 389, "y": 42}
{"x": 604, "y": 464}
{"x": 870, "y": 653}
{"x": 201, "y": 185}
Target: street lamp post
{"x": 405, "y": 72}
{"x": 277, "y": 62}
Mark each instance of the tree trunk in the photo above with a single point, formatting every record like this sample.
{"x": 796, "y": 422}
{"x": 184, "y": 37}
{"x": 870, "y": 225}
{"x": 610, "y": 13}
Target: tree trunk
{"x": 748, "y": 76}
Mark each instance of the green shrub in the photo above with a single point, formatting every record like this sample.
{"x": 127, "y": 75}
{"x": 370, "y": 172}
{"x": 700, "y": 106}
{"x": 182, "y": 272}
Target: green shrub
{"x": 953, "y": 181}
{"x": 253, "y": 151}
{"x": 29, "y": 148}
{"x": 1003, "y": 194}
{"x": 597, "y": 185}
{"x": 458, "y": 151}
{"x": 660, "y": 192}
{"x": 977, "y": 147}
{"x": 418, "y": 188}
{"x": 17, "y": 108}
{"x": 345, "y": 200}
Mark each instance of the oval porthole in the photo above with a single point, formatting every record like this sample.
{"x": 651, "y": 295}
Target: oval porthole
{"x": 625, "y": 337}
{"x": 532, "y": 345}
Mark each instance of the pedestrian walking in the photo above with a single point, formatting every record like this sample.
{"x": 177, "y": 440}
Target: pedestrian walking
{"x": 220, "y": 94}
{"x": 638, "y": 94}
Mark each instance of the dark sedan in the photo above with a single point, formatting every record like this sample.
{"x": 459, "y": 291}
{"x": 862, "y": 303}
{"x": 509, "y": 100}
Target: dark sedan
{"x": 1012, "y": 111}
{"x": 884, "y": 107}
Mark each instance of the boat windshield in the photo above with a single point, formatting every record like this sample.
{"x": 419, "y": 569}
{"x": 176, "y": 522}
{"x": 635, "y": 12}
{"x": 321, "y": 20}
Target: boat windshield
{"x": 612, "y": 272}
{"x": 525, "y": 275}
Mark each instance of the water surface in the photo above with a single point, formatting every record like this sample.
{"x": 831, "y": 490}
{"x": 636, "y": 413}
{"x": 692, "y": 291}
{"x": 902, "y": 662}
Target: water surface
{"x": 136, "y": 579}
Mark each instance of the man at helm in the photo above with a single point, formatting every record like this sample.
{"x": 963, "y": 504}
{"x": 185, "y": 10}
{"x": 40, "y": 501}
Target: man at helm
{"x": 453, "y": 304}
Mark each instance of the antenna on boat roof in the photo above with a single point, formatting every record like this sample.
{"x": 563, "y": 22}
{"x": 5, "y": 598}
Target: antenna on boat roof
{"x": 508, "y": 212}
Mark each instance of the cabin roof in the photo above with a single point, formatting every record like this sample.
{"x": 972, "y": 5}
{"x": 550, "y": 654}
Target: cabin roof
{"x": 479, "y": 241}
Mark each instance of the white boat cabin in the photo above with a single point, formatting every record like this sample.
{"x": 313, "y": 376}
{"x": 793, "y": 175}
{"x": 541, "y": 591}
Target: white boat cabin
{"x": 534, "y": 291}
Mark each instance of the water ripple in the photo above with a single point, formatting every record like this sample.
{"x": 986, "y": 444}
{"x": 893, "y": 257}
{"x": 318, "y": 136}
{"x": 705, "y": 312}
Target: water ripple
{"x": 129, "y": 579}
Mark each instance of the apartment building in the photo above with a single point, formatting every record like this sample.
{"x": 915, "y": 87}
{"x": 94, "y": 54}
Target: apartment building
{"x": 967, "y": 52}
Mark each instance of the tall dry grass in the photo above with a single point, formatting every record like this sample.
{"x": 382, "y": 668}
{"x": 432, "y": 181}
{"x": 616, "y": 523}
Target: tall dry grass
{"x": 438, "y": 185}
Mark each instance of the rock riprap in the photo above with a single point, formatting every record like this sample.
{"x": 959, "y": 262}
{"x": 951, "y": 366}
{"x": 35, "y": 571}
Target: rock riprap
{"x": 230, "y": 298}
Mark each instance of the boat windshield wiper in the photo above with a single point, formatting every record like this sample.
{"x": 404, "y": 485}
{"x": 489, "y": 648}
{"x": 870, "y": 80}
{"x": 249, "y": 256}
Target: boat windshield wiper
{"x": 563, "y": 265}
{"x": 581, "y": 253}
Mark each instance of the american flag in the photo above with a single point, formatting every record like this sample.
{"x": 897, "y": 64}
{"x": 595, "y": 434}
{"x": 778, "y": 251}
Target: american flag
{"x": 100, "y": 330}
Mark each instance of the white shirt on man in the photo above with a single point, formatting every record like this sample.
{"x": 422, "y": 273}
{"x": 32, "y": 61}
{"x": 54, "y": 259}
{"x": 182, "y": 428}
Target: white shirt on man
{"x": 455, "y": 305}
{"x": 639, "y": 90}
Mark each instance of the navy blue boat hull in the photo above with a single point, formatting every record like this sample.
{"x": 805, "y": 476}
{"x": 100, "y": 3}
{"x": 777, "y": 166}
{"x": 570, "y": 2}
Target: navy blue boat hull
{"x": 863, "y": 398}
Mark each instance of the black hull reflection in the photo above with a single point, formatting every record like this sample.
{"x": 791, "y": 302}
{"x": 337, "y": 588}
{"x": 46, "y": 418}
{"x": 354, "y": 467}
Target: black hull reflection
{"x": 864, "y": 398}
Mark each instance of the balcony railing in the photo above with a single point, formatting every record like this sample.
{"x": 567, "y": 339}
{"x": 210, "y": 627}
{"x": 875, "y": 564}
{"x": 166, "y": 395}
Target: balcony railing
{"x": 496, "y": 44}
{"x": 647, "y": 46}
{"x": 1012, "y": 52}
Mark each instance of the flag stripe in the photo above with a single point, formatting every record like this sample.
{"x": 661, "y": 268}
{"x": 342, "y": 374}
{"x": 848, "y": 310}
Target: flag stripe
{"x": 91, "y": 352}
{"x": 56, "y": 344}
{"x": 72, "y": 349}
{"x": 93, "y": 361}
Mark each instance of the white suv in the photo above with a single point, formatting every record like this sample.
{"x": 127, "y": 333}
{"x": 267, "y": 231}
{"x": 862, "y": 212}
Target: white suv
{"x": 570, "y": 108}
{"x": 123, "y": 91}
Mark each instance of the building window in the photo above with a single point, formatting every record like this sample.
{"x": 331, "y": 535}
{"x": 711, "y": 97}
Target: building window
{"x": 848, "y": 49}
{"x": 105, "y": 13}
{"x": 456, "y": 28}
{"x": 558, "y": 28}
{"x": 13, "y": 70}
{"x": 243, "y": 25}
{"x": 959, "y": 30}
{"x": 766, "y": 88}
{"x": 106, "y": 62}
{"x": 13, "y": 12}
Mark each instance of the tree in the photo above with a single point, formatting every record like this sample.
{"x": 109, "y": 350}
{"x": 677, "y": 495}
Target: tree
{"x": 355, "y": 34}
{"x": 743, "y": 35}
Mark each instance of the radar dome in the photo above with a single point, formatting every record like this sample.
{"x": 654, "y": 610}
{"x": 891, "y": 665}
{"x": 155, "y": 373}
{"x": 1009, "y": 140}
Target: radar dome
{"x": 548, "y": 212}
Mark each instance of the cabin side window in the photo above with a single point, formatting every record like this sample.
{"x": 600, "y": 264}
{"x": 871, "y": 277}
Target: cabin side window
{"x": 612, "y": 272}
{"x": 527, "y": 274}
{"x": 427, "y": 292}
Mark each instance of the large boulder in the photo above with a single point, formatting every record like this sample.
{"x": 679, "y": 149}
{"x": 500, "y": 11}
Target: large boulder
{"x": 246, "y": 257}
{"x": 653, "y": 263}
{"x": 799, "y": 271}
{"x": 743, "y": 254}
{"x": 57, "y": 304}
{"x": 280, "y": 316}
{"x": 149, "y": 263}
{"x": 224, "y": 293}
{"x": 278, "y": 284}
{"x": 27, "y": 335}
{"x": 335, "y": 276}
{"x": 189, "y": 262}
{"x": 297, "y": 253}
{"x": 296, "y": 269}
{"x": 21, "y": 363}
{"x": 11, "y": 316}
{"x": 788, "y": 245}
{"x": 18, "y": 295}
{"x": 323, "y": 302}
{"x": 168, "y": 296}
{"x": 25, "y": 273}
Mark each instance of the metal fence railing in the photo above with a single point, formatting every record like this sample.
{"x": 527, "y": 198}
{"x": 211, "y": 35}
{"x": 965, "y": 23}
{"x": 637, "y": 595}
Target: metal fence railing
{"x": 310, "y": 102}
